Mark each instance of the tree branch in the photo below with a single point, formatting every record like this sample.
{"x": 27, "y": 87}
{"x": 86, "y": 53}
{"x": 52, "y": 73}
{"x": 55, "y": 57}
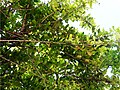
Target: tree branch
{"x": 24, "y": 21}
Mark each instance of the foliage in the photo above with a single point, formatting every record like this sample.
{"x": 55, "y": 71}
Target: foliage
{"x": 39, "y": 51}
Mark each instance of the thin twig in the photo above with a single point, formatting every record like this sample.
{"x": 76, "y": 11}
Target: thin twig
{"x": 47, "y": 17}
{"x": 20, "y": 9}
{"x": 24, "y": 21}
{"x": 4, "y": 14}
{"x": 18, "y": 65}
{"x": 51, "y": 42}
{"x": 47, "y": 42}
{"x": 34, "y": 66}
{"x": 8, "y": 60}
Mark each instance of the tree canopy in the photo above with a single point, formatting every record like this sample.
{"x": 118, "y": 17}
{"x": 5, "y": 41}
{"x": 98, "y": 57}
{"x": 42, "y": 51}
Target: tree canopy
{"x": 40, "y": 50}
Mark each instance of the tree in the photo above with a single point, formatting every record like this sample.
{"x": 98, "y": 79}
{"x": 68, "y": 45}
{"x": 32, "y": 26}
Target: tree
{"x": 39, "y": 51}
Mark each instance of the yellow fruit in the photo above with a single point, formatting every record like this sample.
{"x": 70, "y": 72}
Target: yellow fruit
{"x": 87, "y": 61}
